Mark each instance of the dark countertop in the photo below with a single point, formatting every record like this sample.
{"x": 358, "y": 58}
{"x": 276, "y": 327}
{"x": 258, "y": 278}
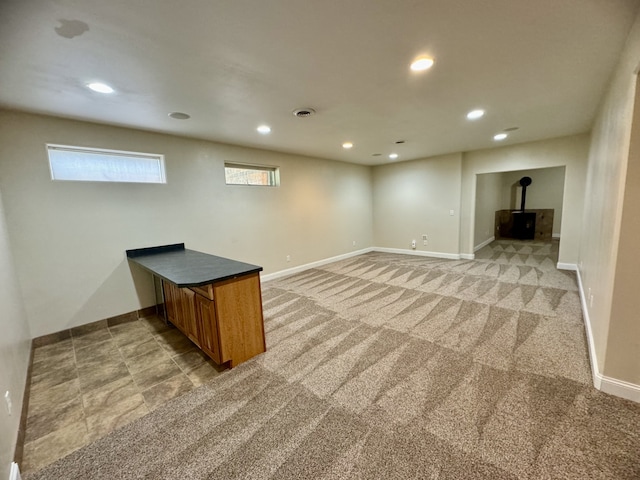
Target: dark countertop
{"x": 188, "y": 268}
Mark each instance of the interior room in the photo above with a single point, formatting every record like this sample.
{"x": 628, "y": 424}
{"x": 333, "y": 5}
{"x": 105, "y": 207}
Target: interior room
{"x": 502, "y": 191}
{"x": 407, "y": 333}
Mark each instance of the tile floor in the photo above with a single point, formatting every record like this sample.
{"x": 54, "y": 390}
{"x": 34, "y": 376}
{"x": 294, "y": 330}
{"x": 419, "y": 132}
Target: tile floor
{"x": 102, "y": 378}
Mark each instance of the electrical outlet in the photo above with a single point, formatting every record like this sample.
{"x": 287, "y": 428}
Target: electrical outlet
{"x": 288, "y": 258}
{"x": 7, "y": 399}
{"x": 425, "y": 236}
{"x": 413, "y": 244}
{"x": 424, "y": 242}
{"x": 354, "y": 243}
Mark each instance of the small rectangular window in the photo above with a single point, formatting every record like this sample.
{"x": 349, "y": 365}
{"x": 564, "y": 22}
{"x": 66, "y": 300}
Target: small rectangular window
{"x": 238, "y": 174}
{"x": 99, "y": 165}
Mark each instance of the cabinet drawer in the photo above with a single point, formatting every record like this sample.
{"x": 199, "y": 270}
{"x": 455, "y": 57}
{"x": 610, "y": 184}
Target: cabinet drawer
{"x": 204, "y": 290}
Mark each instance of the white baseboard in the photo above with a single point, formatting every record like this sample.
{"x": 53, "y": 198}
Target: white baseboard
{"x": 620, "y": 388}
{"x": 307, "y": 266}
{"x": 319, "y": 263}
{"x": 14, "y": 474}
{"x": 567, "y": 266}
{"x": 555, "y": 235}
{"x": 613, "y": 386}
{"x": 422, "y": 253}
{"x": 467, "y": 256}
{"x": 483, "y": 244}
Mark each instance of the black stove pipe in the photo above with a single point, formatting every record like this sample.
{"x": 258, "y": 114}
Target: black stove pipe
{"x": 524, "y": 183}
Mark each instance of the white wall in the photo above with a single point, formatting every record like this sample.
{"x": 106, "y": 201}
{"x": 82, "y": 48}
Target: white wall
{"x": 546, "y": 191}
{"x": 570, "y": 152}
{"x": 414, "y": 198}
{"x": 14, "y": 349}
{"x": 69, "y": 238}
{"x": 488, "y": 199}
{"x": 602, "y": 267}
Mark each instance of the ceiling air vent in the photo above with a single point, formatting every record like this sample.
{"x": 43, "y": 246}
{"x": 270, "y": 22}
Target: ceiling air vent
{"x": 304, "y": 112}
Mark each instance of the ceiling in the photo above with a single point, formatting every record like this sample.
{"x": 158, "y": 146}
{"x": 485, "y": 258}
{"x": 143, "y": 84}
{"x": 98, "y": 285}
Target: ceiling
{"x": 541, "y": 66}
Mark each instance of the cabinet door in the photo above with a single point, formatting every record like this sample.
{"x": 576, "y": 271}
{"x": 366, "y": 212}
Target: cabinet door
{"x": 208, "y": 328}
{"x": 178, "y": 301}
{"x": 188, "y": 311}
{"x": 169, "y": 301}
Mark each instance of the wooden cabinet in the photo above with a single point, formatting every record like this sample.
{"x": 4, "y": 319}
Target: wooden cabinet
{"x": 189, "y": 317}
{"x": 210, "y": 338}
{"x": 224, "y": 318}
{"x": 172, "y": 303}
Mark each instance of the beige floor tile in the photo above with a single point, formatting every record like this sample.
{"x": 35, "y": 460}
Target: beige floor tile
{"x": 128, "y": 333}
{"x": 116, "y": 416}
{"x": 135, "y": 349}
{"x": 103, "y": 397}
{"x": 147, "y": 360}
{"x": 204, "y": 373}
{"x": 133, "y": 340}
{"x": 97, "y": 354}
{"x": 50, "y": 352}
{"x": 50, "y": 448}
{"x": 158, "y": 373}
{"x": 44, "y": 422}
{"x": 43, "y": 399}
{"x": 155, "y": 324}
{"x": 95, "y": 376}
{"x": 103, "y": 378}
{"x": 91, "y": 338}
{"x": 171, "y": 388}
{"x": 174, "y": 342}
{"x": 48, "y": 365}
{"x": 190, "y": 360}
{"x": 127, "y": 327}
{"x": 53, "y": 378}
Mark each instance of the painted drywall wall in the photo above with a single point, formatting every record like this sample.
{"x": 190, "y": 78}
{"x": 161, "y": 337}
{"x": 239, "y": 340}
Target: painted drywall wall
{"x": 623, "y": 342}
{"x": 570, "y": 152}
{"x": 488, "y": 200}
{"x": 605, "y": 199}
{"x": 415, "y": 198}
{"x": 69, "y": 238}
{"x": 545, "y": 191}
{"x": 14, "y": 348}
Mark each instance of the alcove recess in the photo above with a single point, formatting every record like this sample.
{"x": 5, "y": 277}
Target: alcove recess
{"x": 522, "y": 224}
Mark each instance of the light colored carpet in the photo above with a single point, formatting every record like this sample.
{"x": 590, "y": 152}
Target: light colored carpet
{"x": 395, "y": 367}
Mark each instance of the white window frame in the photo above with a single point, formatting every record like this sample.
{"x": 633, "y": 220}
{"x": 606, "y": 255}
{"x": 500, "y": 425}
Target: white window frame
{"x": 275, "y": 172}
{"x": 160, "y": 172}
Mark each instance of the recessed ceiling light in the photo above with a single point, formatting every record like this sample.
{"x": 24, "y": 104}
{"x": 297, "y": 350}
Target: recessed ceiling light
{"x": 180, "y": 115}
{"x": 511, "y": 129}
{"x": 422, "y": 63}
{"x": 393, "y": 156}
{"x": 347, "y": 145}
{"x": 100, "y": 87}
{"x": 500, "y": 136}
{"x": 264, "y": 129}
{"x": 475, "y": 114}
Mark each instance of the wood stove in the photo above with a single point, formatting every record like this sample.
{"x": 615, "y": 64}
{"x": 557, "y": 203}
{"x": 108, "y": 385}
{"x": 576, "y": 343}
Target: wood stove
{"x": 524, "y": 223}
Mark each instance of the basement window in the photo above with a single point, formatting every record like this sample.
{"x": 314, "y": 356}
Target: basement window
{"x": 256, "y": 175}
{"x": 83, "y": 164}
